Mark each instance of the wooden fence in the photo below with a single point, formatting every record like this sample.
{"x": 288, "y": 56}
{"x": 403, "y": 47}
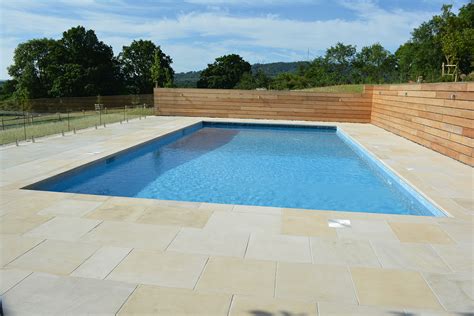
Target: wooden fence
{"x": 289, "y": 105}
{"x": 439, "y": 116}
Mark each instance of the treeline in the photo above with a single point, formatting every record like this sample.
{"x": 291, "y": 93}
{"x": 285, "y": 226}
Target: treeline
{"x": 189, "y": 79}
{"x": 447, "y": 38}
{"x": 79, "y": 64}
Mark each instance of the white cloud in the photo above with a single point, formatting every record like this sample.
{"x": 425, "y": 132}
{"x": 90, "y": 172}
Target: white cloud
{"x": 196, "y": 38}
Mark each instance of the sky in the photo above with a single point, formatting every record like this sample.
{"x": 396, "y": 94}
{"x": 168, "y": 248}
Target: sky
{"x": 195, "y": 32}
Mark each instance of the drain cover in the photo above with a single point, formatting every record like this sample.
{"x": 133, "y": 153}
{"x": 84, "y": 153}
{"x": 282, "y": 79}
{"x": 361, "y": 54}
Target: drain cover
{"x": 339, "y": 223}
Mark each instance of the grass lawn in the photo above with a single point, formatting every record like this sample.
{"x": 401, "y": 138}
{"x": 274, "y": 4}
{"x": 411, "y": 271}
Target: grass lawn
{"x": 344, "y": 88}
{"x": 50, "y": 124}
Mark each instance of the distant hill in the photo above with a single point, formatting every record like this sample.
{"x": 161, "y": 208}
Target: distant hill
{"x": 186, "y": 79}
{"x": 190, "y": 78}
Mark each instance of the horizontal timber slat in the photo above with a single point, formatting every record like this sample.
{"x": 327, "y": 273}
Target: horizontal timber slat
{"x": 293, "y": 105}
{"x": 438, "y": 116}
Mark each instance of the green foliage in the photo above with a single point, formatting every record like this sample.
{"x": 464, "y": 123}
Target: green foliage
{"x": 457, "y": 35}
{"x": 422, "y": 54}
{"x": 224, "y": 73}
{"x": 274, "y": 69}
{"x": 339, "y": 60}
{"x": 144, "y": 65}
{"x": 289, "y": 81}
{"x": 250, "y": 81}
{"x": 76, "y": 65}
{"x": 34, "y": 67}
{"x": 7, "y": 89}
{"x": 374, "y": 64}
{"x": 86, "y": 66}
{"x": 79, "y": 64}
{"x": 445, "y": 38}
{"x": 187, "y": 79}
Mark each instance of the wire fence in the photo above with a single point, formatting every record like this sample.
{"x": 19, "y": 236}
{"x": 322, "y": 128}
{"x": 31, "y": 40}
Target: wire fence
{"x": 32, "y": 119}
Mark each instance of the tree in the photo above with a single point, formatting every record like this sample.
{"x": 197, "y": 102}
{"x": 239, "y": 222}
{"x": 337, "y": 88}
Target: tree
{"x": 144, "y": 65}
{"x": 76, "y": 65}
{"x": 457, "y": 34}
{"x": 250, "y": 81}
{"x": 7, "y": 89}
{"x": 224, "y": 73}
{"x": 34, "y": 66}
{"x": 319, "y": 73}
{"x": 466, "y": 17}
{"x": 339, "y": 60}
{"x": 289, "y": 81}
{"x": 156, "y": 69}
{"x": 374, "y": 64}
{"x": 87, "y": 66}
{"x": 445, "y": 38}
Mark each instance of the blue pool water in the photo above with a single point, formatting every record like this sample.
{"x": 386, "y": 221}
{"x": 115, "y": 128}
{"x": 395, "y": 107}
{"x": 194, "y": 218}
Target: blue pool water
{"x": 281, "y": 166}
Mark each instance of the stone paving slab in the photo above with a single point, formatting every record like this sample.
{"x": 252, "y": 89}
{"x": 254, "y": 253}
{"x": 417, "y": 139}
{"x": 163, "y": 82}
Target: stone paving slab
{"x": 46, "y": 294}
{"x": 160, "y": 268}
{"x": 63, "y": 253}
{"x": 153, "y": 300}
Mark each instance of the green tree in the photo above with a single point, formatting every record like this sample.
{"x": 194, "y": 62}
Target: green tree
{"x": 76, "y": 65}
{"x": 250, "y": 81}
{"x": 289, "y": 81}
{"x": 144, "y": 65}
{"x": 319, "y": 73}
{"x": 87, "y": 66}
{"x": 339, "y": 60}
{"x": 156, "y": 69}
{"x": 7, "y": 89}
{"x": 374, "y": 64}
{"x": 224, "y": 73}
{"x": 457, "y": 34}
{"x": 34, "y": 66}
{"x": 444, "y": 38}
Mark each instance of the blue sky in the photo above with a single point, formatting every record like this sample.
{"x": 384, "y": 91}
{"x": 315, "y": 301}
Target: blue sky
{"x": 195, "y": 32}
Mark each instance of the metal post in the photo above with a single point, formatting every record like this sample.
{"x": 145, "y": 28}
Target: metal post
{"x": 100, "y": 115}
{"x": 24, "y": 124}
{"x": 32, "y": 139}
{"x": 124, "y": 112}
{"x": 68, "y": 123}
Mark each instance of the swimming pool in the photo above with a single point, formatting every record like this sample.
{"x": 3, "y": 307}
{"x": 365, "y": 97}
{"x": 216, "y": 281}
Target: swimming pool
{"x": 309, "y": 167}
